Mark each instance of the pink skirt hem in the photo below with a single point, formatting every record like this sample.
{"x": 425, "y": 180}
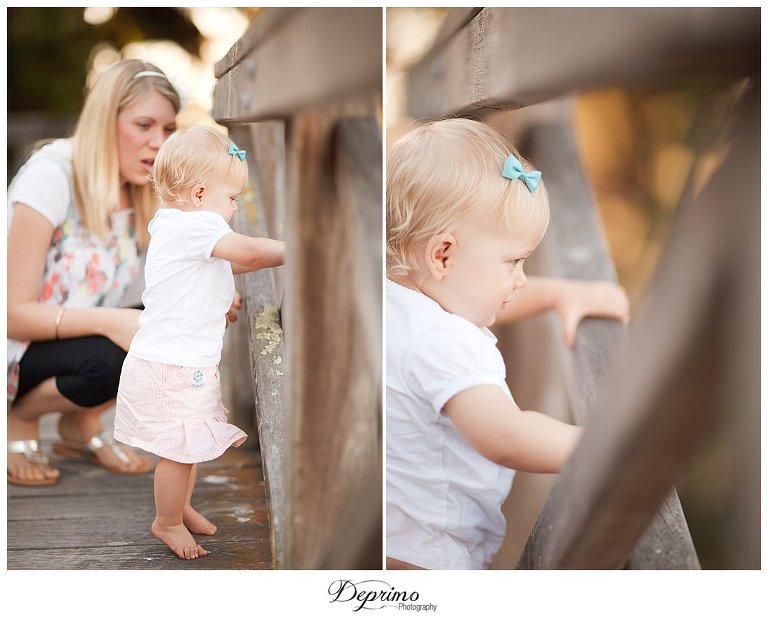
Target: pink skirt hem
{"x": 183, "y": 456}
{"x": 174, "y": 412}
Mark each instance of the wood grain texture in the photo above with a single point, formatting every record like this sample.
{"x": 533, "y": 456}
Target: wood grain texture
{"x": 480, "y": 67}
{"x": 581, "y": 254}
{"x": 265, "y": 370}
{"x": 147, "y": 555}
{"x": 268, "y": 23}
{"x": 316, "y": 181}
{"x": 315, "y": 56}
{"x": 94, "y": 519}
{"x": 668, "y": 393}
{"x": 333, "y": 404}
{"x": 358, "y": 528}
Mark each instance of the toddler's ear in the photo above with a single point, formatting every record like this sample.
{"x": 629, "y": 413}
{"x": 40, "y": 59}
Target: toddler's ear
{"x": 198, "y": 193}
{"x": 439, "y": 253}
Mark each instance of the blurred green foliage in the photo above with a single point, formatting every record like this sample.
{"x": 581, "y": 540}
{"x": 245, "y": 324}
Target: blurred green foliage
{"x": 49, "y": 48}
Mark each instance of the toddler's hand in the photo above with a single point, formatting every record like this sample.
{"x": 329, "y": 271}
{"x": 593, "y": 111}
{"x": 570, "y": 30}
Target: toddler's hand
{"x": 579, "y": 299}
{"x": 237, "y": 303}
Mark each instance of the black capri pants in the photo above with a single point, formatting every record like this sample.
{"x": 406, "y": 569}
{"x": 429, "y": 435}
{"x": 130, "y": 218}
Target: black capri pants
{"x": 87, "y": 369}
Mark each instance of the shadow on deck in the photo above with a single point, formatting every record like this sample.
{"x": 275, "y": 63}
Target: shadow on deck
{"x": 94, "y": 519}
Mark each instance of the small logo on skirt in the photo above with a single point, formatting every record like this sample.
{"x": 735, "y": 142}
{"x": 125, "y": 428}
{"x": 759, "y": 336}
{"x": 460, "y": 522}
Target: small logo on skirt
{"x": 197, "y": 379}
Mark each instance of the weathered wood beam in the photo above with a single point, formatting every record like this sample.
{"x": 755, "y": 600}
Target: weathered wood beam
{"x": 357, "y": 145}
{"x": 505, "y": 58}
{"x": 264, "y": 144}
{"x": 299, "y": 58}
{"x": 660, "y": 407}
{"x": 581, "y": 254}
{"x": 267, "y": 23}
{"x": 333, "y": 406}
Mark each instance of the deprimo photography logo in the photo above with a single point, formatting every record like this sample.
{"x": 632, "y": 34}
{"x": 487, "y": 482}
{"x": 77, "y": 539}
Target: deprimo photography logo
{"x": 375, "y": 595}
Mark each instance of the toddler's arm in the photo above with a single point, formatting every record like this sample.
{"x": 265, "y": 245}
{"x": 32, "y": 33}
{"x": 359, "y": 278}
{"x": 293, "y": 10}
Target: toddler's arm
{"x": 523, "y": 440}
{"x": 247, "y": 253}
{"x": 573, "y": 300}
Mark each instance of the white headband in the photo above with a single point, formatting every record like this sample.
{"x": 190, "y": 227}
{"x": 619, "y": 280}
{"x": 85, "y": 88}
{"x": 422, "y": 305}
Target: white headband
{"x": 149, "y": 74}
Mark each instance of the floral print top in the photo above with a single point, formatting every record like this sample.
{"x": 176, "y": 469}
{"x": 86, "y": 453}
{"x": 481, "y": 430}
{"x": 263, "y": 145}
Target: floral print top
{"x": 82, "y": 270}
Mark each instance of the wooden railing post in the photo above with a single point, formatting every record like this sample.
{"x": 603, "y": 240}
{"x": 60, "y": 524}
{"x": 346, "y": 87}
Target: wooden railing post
{"x": 301, "y": 89}
{"x": 578, "y": 252}
{"x": 658, "y": 408}
{"x": 333, "y": 325}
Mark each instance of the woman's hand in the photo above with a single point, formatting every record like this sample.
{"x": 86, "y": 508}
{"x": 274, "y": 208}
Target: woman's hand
{"x": 579, "y": 299}
{"x": 237, "y": 303}
{"x": 121, "y": 325}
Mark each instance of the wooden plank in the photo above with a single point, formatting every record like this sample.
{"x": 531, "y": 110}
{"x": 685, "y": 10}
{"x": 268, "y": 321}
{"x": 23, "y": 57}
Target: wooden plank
{"x": 660, "y": 407}
{"x": 359, "y": 182}
{"x": 333, "y": 403}
{"x": 358, "y": 534}
{"x": 82, "y": 478}
{"x": 231, "y": 555}
{"x": 579, "y": 252}
{"x": 247, "y": 498}
{"x": 264, "y": 331}
{"x": 743, "y": 368}
{"x": 504, "y": 58}
{"x": 268, "y": 22}
{"x": 268, "y": 157}
{"x": 97, "y": 520}
{"x": 95, "y": 533}
{"x": 454, "y": 22}
{"x": 317, "y": 56}
{"x": 236, "y": 384}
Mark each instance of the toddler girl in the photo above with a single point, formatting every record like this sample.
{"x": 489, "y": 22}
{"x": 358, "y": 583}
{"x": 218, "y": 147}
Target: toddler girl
{"x": 169, "y": 398}
{"x": 463, "y": 213}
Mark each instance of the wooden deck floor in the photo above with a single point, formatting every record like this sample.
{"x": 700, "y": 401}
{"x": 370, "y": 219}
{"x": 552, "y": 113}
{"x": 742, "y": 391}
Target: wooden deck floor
{"x": 94, "y": 519}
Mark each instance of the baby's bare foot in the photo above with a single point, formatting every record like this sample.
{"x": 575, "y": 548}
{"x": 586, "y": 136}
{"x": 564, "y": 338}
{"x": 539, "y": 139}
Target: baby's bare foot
{"x": 197, "y": 523}
{"x": 179, "y": 539}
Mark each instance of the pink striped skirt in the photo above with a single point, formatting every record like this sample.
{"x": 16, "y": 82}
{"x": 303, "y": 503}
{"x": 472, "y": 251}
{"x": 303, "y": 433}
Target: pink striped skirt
{"x": 173, "y": 411}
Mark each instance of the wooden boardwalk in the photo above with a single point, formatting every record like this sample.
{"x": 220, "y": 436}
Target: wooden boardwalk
{"x": 93, "y": 519}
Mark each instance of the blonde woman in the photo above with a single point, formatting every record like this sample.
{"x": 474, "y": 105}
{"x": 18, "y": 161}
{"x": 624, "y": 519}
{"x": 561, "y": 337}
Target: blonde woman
{"x": 77, "y": 218}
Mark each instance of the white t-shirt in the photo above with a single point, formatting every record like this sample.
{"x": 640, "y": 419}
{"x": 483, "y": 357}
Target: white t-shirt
{"x": 44, "y": 185}
{"x": 443, "y": 497}
{"x": 188, "y": 291}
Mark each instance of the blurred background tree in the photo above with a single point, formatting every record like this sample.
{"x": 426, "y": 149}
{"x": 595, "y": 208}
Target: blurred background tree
{"x": 54, "y": 54}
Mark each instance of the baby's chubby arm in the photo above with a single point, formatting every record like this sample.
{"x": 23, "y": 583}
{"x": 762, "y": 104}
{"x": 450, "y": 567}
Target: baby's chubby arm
{"x": 522, "y": 440}
{"x": 573, "y": 300}
{"x": 248, "y": 253}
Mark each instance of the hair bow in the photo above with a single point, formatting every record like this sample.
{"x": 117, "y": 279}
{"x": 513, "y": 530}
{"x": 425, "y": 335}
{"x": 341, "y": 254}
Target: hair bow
{"x": 514, "y": 169}
{"x": 233, "y": 150}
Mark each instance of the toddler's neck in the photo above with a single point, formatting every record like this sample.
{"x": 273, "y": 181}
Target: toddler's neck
{"x": 180, "y": 207}
{"x": 405, "y": 282}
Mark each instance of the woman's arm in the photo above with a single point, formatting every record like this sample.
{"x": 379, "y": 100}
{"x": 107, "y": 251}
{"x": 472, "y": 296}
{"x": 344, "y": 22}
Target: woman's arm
{"x": 500, "y": 431}
{"x": 29, "y": 239}
{"x": 247, "y": 253}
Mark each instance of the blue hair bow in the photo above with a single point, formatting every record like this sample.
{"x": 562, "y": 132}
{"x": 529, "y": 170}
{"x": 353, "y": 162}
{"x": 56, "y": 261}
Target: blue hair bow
{"x": 514, "y": 169}
{"x": 233, "y": 150}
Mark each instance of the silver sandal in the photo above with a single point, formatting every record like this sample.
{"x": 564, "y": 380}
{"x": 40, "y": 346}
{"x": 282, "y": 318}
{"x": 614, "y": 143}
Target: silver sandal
{"x": 87, "y": 451}
{"x": 30, "y": 449}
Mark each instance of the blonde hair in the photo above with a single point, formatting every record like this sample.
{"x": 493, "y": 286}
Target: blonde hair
{"x": 95, "y": 159}
{"x": 190, "y": 157}
{"x": 441, "y": 171}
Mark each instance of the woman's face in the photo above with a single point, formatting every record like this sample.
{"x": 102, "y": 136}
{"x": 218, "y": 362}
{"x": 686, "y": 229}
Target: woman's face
{"x": 142, "y": 127}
